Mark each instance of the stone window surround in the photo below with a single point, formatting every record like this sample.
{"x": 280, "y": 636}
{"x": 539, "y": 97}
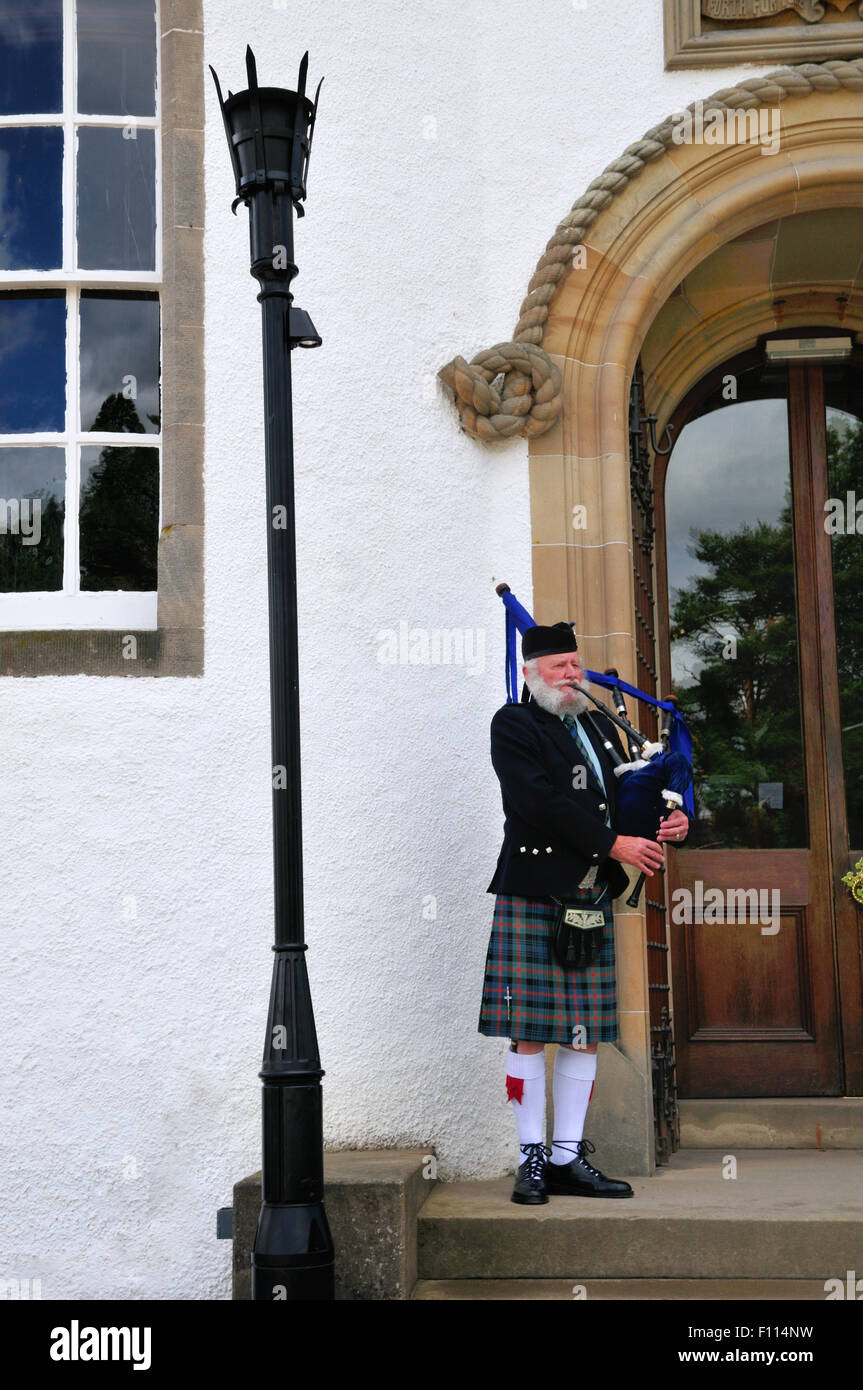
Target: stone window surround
{"x": 176, "y": 646}
{"x": 686, "y": 46}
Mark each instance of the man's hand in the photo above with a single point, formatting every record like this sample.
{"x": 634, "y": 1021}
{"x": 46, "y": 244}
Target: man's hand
{"x": 674, "y": 827}
{"x": 643, "y": 854}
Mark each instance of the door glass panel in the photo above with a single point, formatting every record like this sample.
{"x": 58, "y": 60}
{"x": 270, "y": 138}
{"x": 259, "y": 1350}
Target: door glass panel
{"x": 843, "y": 521}
{"x": 733, "y": 625}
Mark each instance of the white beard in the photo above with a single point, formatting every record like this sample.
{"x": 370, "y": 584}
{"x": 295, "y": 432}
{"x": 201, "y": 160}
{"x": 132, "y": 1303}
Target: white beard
{"x": 557, "y": 699}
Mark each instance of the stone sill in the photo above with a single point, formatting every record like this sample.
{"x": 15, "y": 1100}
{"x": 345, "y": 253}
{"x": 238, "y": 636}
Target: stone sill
{"x": 166, "y": 651}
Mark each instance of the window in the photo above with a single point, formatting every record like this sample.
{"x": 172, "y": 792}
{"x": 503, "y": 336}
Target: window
{"x": 80, "y": 323}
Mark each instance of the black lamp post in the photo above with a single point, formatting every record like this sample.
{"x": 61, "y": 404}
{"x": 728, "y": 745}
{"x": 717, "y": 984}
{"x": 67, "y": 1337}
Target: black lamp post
{"x": 269, "y": 135}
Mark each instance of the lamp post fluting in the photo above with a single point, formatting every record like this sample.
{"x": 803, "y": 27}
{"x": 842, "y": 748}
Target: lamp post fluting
{"x": 269, "y": 132}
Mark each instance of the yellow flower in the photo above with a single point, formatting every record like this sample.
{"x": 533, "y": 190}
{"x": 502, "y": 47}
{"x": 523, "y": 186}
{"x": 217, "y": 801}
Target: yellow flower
{"x": 854, "y": 881}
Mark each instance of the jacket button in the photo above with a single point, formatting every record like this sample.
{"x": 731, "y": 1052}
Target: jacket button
{"x": 595, "y": 856}
{"x": 523, "y": 848}
{"x": 602, "y": 806}
{"x": 536, "y": 851}
{"x": 548, "y": 849}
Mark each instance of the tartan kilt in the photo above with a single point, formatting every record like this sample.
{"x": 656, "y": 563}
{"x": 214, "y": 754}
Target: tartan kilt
{"x": 545, "y": 1001}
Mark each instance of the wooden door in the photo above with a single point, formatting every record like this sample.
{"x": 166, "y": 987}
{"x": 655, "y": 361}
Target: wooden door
{"x": 758, "y": 922}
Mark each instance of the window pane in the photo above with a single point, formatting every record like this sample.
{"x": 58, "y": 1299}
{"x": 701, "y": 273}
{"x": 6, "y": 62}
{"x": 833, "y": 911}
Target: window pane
{"x": 116, "y": 199}
{"x": 120, "y": 362}
{"x": 31, "y": 56}
{"x": 117, "y": 57}
{"x": 734, "y": 645}
{"x": 119, "y": 517}
{"x": 843, "y": 521}
{"x": 32, "y": 506}
{"x": 31, "y": 229}
{"x": 32, "y": 362}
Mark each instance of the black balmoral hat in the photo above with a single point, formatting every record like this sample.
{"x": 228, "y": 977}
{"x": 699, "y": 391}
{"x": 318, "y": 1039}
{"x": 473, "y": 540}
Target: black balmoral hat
{"x": 548, "y": 641}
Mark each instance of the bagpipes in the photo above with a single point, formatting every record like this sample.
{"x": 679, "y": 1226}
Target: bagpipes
{"x": 658, "y": 778}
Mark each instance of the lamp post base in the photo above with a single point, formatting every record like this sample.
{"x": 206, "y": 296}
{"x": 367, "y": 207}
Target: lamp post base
{"x": 292, "y": 1258}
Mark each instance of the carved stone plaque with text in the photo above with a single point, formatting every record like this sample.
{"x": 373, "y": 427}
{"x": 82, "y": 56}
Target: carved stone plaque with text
{"x": 707, "y": 33}
{"x": 810, "y": 10}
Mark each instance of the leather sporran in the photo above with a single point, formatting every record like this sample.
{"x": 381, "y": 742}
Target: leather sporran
{"x": 577, "y": 935}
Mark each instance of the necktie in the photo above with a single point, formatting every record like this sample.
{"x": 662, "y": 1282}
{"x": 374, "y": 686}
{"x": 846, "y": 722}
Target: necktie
{"x": 589, "y": 753}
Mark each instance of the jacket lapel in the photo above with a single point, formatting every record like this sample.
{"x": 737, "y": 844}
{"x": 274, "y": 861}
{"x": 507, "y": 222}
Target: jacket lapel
{"x": 568, "y": 745}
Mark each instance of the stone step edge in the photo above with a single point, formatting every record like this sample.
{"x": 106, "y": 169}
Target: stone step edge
{"x": 637, "y": 1290}
{"x": 783, "y": 1122}
{"x": 810, "y": 1245}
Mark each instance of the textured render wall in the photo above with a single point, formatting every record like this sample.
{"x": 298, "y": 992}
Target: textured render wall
{"x": 137, "y": 903}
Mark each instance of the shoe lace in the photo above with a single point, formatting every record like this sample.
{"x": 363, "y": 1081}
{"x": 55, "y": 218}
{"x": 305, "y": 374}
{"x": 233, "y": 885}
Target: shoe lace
{"x": 534, "y": 1160}
{"x": 582, "y": 1147}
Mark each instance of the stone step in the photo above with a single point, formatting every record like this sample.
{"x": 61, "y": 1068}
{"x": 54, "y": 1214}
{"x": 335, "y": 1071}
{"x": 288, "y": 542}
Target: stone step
{"x": 636, "y": 1290}
{"x": 796, "y": 1214}
{"x": 371, "y": 1201}
{"x": 792, "y": 1122}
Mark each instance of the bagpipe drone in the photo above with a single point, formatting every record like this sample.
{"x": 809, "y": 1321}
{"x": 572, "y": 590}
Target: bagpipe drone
{"x": 658, "y": 779}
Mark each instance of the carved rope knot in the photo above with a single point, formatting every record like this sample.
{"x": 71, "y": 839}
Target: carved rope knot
{"x": 527, "y": 402}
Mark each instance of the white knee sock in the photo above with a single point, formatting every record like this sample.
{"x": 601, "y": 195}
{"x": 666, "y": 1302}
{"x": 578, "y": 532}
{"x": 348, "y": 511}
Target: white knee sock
{"x": 572, "y": 1087}
{"x": 525, "y": 1090}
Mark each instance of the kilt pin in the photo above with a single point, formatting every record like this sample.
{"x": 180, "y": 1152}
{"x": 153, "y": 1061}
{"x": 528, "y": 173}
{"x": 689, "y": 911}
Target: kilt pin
{"x": 557, "y": 828}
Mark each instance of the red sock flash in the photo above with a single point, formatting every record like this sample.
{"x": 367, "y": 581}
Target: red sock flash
{"x": 514, "y": 1088}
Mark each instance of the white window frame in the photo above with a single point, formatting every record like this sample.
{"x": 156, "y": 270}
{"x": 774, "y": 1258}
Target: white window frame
{"x": 70, "y": 607}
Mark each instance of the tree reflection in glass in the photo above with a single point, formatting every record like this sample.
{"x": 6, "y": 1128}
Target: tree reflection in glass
{"x": 734, "y": 625}
{"x": 119, "y": 347}
{"x": 119, "y": 517}
{"x": 32, "y": 514}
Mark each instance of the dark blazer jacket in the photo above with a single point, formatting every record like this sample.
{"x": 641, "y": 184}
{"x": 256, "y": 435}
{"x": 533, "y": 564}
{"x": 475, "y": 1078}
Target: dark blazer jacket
{"x": 553, "y": 833}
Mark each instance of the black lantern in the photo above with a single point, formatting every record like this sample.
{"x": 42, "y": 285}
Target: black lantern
{"x": 269, "y": 136}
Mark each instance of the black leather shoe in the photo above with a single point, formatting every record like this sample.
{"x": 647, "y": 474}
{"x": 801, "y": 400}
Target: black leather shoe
{"x": 530, "y": 1182}
{"x": 579, "y": 1179}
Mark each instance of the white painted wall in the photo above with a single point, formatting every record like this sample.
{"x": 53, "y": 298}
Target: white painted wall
{"x": 451, "y": 139}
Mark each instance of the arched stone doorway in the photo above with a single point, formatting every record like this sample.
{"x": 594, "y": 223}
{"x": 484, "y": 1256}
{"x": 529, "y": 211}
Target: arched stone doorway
{"x": 682, "y": 209}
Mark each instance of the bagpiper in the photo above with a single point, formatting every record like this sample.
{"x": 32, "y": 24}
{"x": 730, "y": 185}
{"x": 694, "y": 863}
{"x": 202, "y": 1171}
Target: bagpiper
{"x": 560, "y": 853}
